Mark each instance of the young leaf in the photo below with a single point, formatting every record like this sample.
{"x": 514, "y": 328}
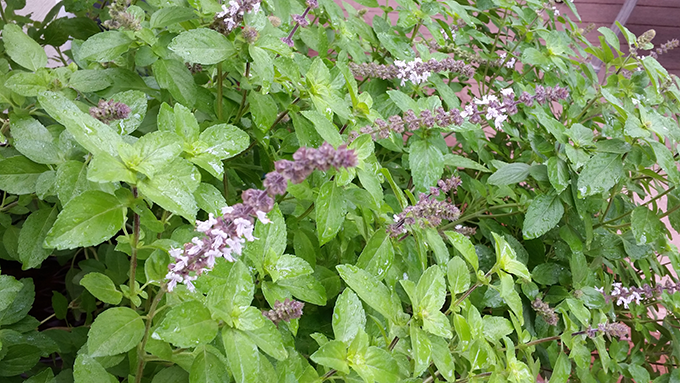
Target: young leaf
{"x": 231, "y": 296}
{"x": 152, "y": 152}
{"x": 187, "y": 325}
{"x": 332, "y": 354}
{"x": 544, "y": 213}
{"x": 330, "y": 208}
{"x": 459, "y": 275}
{"x": 174, "y": 190}
{"x": 464, "y": 247}
{"x": 269, "y": 339}
{"x": 427, "y": 164}
{"x": 32, "y": 236}
{"x": 378, "y": 255}
{"x": 87, "y": 220}
{"x": 422, "y": 349}
{"x": 242, "y": 355}
{"x": 102, "y": 288}
{"x": 23, "y": 49}
{"x": 348, "y": 316}
{"x": 115, "y": 331}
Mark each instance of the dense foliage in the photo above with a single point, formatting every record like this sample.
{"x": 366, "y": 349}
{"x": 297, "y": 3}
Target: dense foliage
{"x": 294, "y": 191}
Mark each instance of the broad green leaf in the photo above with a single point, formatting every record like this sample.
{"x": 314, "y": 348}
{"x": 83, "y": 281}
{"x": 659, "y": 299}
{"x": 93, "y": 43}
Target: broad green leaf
{"x": 441, "y": 355}
{"x": 348, "y": 316}
{"x": 459, "y": 275}
{"x": 272, "y": 237}
{"x": 104, "y": 46}
{"x": 209, "y": 199}
{"x": 173, "y": 374}
{"x": 507, "y": 259}
{"x": 46, "y": 376}
{"x": 222, "y": 140}
{"x": 561, "y": 370}
{"x": 268, "y": 339}
{"x": 544, "y": 213}
{"x": 457, "y": 161}
{"x": 152, "y": 152}
{"x": 208, "y": 367}
{"x": 27, "y": 84}
{"x": 496, "y": 327}
{"x": 87, "y": 220}
{"x": 32, "y": 236}
{"x": 242, "y": 355}
{"x": 202, "y": 45}
{"x": 263, "y": 68}
{"x": 383, "y": 367}
{"x": 87, "y": 369}
{"x": 306, "y": 288}
{"x": 431, "y": 291}
{"x": 558, "y": 174}
{"x": 9, "y": 288}
{"x": 665, "y": 159}
{"x": 232, "y": 296}
{"x": 509, "y": 174}
{"x": 21, "y": 305}
{"x": 464, "y": 247}
{"x": 171, "y": 15}
{"x": 286, "y": 266}
{"x": 34, "y": 141}
{"x": 173, "y": 188}
{"x": 19, "y": 175}
{"x": 92, "y": 134}
{"x": 646, "y": 226}
{"x": 23, "y": 49}
{"x": 421, "y": 349}
{"x": 115, "y": 331}
{"x": 72, "y": 181}
{"x": 105, "y": 168}
{"x": 330, "y": 208}
{"x": 136, "y": 100}
{"x": 600, "y": 174}
{"x": 378, "y": 254}
{"x": 510, "y": 295}
{"x": 427, "y": 164}
{"x": 324, "y": 127}
{"x": 187, "y": 325}
{"x": 18, "y": 358}
{"x": 437, "y": 245}
{"x": 402, "y": 101}
{"x": 639, "y": 373}
{"x": 263, "y": 110}
{"x": 332, "y": 354}
{"x": 176, "y": 78}
{"x": 180, "y": 120}
{"x": 102, "y": 287}
{"x": 371, "y": 291}
{"x": 89, "y": 80}
{"x": 436, "y": 323}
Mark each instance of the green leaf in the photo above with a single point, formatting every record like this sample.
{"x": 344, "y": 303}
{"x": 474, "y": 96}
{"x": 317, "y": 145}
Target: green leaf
{"x": 600, "y": 174}
{"x": 268, "y": 339}
{"x": 422, "y": 349}
{"x": 427, "y": 164}
{"x": 510, "y": 295}
{"x": 105, "y": 168}
{"x": 175, "y": 77}
{"x": 272, "y": 237}
{"x": 382, "y": 366}
{"x": 639, "y": 373}
{"x": 173, "y": 374}
{"x": 558, "y": 174}
{"x": 263, "y": 67}
{"x": 544, "y": 213}
{"x": 262, "y": 109}
{"x": 507, "y": 258}
{"x": 646, "y": 226}
{"x": 441, "y": 355}
{"x": 187, "y": 325}
{"x": 27, "y": 84}
{"x": 208, "y": 367}
{"x": 19, "y": 175}
{"x": 136, "y": 100}
{"x": 232, "y": 296}
{"x": 222, "y": 140}
{"x": 152, "y": 152}
{"x": 496, "y": 327}
{"x": 184, "y": 123}
{"x": 561, "y": 370}
{"x": 21, "y": 304}
{"x": 332, "y": 354}
{"x": 9, "y": 288}
{"x": 46, "y": 376}
{"x": 242, "y": 355}
{"x": 89, "y": 80}
{"x": 306, "y": 288}
{"x": 286, "y": 266}
{"x": 459, "y": 275}
{"x": 115, "y": 331}
{"x": 34, "y": 141}
{"x": 509, "y": 174}
{"x": 23, "y": 49}
{"x": 173, "y": 190}
{"x": 87, "y": 220}
{"x": 464, "y": 247}
{"x": 457, "y": 161}
{"x": 102, "y": 287}
{"x": 665, "y": 159}
{"x": 348, "y": 316}
{"x": 431, "y": 291}
{"x": 87, "y": 369}
{"x": 202, "y": 45}
{"x": 171, "y": 15}
{"x": 92, "y": 134}
{"x": 33, "y": 234}
{"x": 330, "y": 208}
{"x": 371, "y": 291}
{"x": 402, "y": 101}
{"x": 209, "y": 199}
{"x": 72, "y": 181}
{"x": 324, "y": 127}
{"x": 104, "y": 46}
{"x": 378, "y": 254}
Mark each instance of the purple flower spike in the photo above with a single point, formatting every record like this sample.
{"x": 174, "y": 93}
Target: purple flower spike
{"x": 289, "y": 309}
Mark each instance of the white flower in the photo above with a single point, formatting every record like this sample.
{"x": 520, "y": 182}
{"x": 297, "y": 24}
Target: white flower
{"x": 244, "y": 228}
{"x": 227, "y": 210}
{"x": 468, "y": 111}
{"x": 211, "y": 255}
{"x": 175, "y": 253}
{"x": 198, "y": 246}
{"x": 173, "y": 280}
{"x": 511, "y": 63}
{"x": 187, "y": 282}
{"x": 262, "y": 216}
{"x": 507, "y": 92}
{"x": 204, "y": 226}
{"x": 498, "y": 122}
{"x": 486, "y": 99}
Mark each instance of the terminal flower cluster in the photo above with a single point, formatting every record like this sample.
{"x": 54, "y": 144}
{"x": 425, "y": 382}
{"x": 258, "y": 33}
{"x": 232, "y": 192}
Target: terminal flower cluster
{"x": 545, "y": 311}
{"x": 428, "y": 211}
{"x": 489, "y": 107}
{"x": 416, "y": 71}
{"x": 284, "y": 311}
{"x": 225, "y": 236}
{"x": 232, "y": 14}
{"x": 616, "y": 330}
{"x": 108, "y": 111}
{"x": 627, "y": 295}
{"x": 121, "y": 18}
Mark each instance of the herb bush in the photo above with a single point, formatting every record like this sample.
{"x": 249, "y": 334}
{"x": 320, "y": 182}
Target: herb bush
{"x": 286, "y": 192}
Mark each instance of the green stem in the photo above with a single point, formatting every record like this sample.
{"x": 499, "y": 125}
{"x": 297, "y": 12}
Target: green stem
{"x": 670, "y": 189}
{"x": 133, "y": 252}
{"x": 141, "y": 360}
{"x": 306, "y": 212}
{"x": 414, "y": 33}
{"x": 585, "y": 109}
{"x": 2, "y": 14}
{"x": 495, "y": 41}
{"x": 219, "y": 90}
{"x": 241, "y": 108}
